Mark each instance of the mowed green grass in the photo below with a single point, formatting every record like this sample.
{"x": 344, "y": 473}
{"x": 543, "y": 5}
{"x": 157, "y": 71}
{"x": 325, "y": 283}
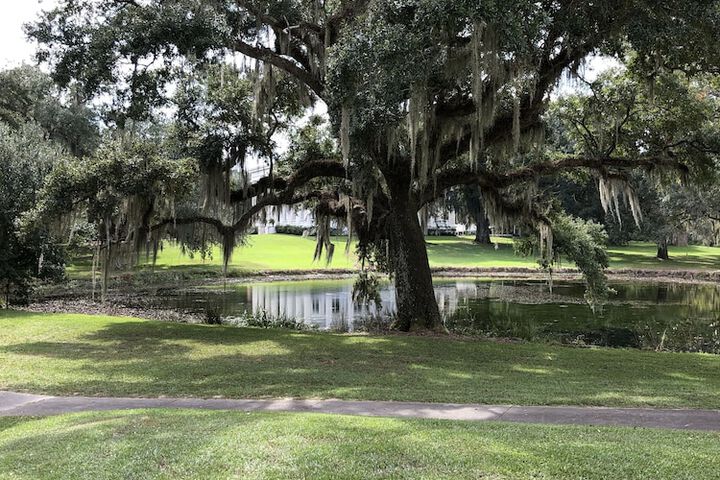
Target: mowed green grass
{"x": 643, "y": 255}
{"x": 288, "y": 252}
{"x": 66, "y": 354}
{"x": 182, "y": 444}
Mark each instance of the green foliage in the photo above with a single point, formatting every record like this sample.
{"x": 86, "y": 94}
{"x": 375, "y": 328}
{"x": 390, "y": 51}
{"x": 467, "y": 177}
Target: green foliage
{"x": 27, "y": 250}
{"x": 290, "y": 229}
{"x": 674, "y": 120}
{"x": 37, "y": 129}
{"x": 620, "y": 113}
{"x": 264, "y": 319}
{"x": 308, "y": 142}
{"x": 366, "y": 290}
{"x": 29, "y": 96}
{"x": 24, "y": 93}
{"x": 214, "y": 121}
{"x": 584, "y": 243}
{"x": 110, "y": 32}
{"x": 578, "y": 195}
{"x": 128, "y": 192}
{"x": 121, "y": 169}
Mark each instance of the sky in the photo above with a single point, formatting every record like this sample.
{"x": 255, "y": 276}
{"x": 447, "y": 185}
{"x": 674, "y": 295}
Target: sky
{"x": 16, "y": 49}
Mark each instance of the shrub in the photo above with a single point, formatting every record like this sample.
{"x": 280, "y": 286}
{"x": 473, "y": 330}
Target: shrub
{"x": 290, "y": 229}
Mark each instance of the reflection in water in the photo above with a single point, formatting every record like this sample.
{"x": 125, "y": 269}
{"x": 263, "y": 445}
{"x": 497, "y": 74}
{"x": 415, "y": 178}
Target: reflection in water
{"x": 678, "y": 317}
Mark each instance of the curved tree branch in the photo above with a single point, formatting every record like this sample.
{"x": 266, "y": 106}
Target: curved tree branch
{"x": 268, "y": 55}
{"x": 486, "y": 178}
{"x": 307, "y": 172}
{"x": 269, "y": 192}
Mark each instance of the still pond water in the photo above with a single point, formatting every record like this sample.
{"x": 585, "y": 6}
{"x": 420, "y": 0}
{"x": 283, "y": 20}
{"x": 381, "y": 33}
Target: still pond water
{"x": 680, "y": 317}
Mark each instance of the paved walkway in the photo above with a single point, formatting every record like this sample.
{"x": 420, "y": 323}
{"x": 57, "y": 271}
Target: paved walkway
{"x": 17, "y": 404}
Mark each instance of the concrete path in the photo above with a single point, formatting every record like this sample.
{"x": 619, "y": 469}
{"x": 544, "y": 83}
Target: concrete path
{"x": 19, "y": 404}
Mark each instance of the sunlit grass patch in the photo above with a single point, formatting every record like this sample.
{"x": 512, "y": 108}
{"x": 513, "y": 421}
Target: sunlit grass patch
{"x": 170, "y": 444}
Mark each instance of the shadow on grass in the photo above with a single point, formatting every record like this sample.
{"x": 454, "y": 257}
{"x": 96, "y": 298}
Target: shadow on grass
{"x": 137, "y": 358}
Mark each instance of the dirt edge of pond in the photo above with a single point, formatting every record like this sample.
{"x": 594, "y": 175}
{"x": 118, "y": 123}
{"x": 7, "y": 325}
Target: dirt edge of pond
{"x": 660, "y": 275}
{"x": 141, "y": 284}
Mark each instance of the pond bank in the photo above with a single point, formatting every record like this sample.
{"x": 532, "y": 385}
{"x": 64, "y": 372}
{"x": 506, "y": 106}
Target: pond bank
{"x": 147, "y": 279}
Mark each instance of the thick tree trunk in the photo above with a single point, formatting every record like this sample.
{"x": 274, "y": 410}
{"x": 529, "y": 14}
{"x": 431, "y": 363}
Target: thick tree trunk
{"x": 662, "y": 252}
{"x": 482, "y": 236}
{"x": 682, "y": 239}
{"x": 475, "y": 207}
{"x": 417, "y": 308}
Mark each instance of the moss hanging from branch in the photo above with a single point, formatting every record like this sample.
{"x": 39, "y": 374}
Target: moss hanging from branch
{"x": 498, "y": 215}
{"x": 516, "y": 123}
{"x": 546, "y": 241}
{"x": 265, "y": 90}
{"x": 612, "y": 188}
{"x": 217, "y": 185}
{"x": 345, "y": 134}
{"x": 347, "y": 203}
{"x": 416, "y": 104}
{"x": 420, "y": 128}
{"x": 488, "y": 72}
{"x": 228, "y": 245}
{"x": 369, "y": 206}
{"x": 323, "y": 238}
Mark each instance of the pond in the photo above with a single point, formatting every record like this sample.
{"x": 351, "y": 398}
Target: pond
{"x": 662, "y": 316}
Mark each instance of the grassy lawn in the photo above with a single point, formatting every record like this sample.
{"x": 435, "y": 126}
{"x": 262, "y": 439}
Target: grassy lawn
{"x": 642, "y": 255}
{"x": 95, "y": 355}
{"x": 184, "y": 444}
{"x": 287, "y": 252}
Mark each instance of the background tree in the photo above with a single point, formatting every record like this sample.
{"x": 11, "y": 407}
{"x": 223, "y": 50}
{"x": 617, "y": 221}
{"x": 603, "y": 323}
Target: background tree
{"x": 38, "y": 129}
{"x": 677, "y": 117}
{"x": 28, "y": 95}
{"x": 27, "y": 252}
{"x": 675, "y": 212}
{"x": 467, "y": 204}
{"x": 118, "y": 189}
{"x": 424, "y": 95}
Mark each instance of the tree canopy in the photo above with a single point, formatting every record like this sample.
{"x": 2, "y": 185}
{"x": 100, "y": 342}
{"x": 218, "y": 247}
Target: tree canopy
{"x": 676, "y": 117}
{"x": 422, "y": 95}
{"x": 39, "y": 128}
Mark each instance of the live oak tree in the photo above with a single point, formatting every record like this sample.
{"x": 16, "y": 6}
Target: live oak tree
{"x": 467, "y": 204}
{"x": 677, "y": 117}
{"x": 126, "y": 181}
{"x": 423, "y": 95}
